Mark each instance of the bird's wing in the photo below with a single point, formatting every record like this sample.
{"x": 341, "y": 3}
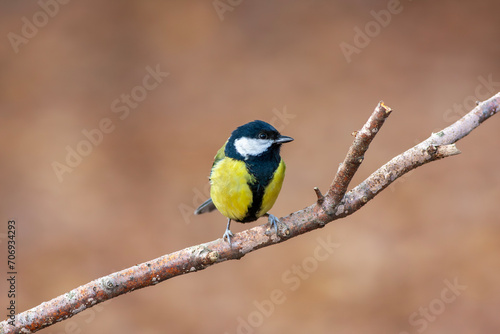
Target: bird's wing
{"x": 220, "y": 155}
{"x": 208, "y": 205}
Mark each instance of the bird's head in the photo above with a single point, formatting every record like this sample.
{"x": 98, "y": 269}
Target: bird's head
{"x": 253, "y": 140}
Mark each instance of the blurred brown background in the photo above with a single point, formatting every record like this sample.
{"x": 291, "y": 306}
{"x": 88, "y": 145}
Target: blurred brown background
{"x": 129, "y": 199}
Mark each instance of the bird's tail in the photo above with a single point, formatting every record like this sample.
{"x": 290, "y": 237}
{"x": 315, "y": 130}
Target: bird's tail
{"x": 207, "y": 206}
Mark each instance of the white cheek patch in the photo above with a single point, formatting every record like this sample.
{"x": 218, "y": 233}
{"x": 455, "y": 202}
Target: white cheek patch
{"x": 251, "y": 146}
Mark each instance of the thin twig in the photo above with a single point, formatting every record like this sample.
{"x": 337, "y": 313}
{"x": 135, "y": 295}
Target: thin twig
{"x": 320, "y": 196}
{"x": 337, "y": 203}
{"x": 355, "y": 156}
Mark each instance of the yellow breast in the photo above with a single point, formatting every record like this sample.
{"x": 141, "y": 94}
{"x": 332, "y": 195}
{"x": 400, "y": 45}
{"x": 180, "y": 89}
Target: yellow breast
{"x": 231, "y": 193}
{"x": 229, "y": 188}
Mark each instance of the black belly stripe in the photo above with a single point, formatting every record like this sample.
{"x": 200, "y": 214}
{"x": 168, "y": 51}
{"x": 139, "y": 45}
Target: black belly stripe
{"x": 262, "y": 168}
{"x": 257, "y": 195}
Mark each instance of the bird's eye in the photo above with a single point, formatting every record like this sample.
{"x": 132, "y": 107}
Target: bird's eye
{"x": 262, "y": 135}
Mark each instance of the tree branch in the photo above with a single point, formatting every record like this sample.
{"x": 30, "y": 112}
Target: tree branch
{"x": 337, "y": 203}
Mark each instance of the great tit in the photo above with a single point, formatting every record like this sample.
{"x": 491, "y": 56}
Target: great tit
{"x": 247, "y": 175}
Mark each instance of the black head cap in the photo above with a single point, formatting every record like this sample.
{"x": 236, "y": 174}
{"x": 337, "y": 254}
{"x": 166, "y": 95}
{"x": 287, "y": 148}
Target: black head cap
{"x": 255, "y": 139}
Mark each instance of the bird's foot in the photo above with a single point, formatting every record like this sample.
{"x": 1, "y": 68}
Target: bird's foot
{"x": 227, "y": 235}
{"x": 273, "y": 221}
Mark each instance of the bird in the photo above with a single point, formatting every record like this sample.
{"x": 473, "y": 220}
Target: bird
{"x": 247, "y": 175}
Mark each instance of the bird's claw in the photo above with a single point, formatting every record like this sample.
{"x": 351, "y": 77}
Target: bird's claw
{"x": 227, "y": 235}
{"x": 273, "y": 221}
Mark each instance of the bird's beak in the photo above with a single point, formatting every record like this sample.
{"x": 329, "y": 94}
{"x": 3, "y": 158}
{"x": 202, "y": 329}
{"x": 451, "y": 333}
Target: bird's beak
{"x": 283, "y": 139}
